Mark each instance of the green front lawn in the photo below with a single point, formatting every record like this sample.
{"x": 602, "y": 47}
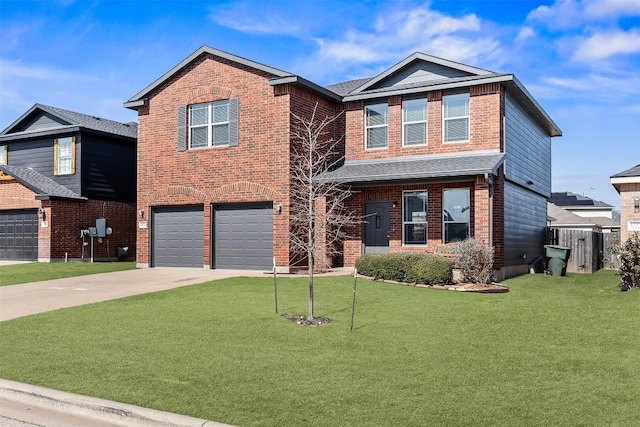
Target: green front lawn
{"x": 552, "y": 351}
{"x": 38, "y": 271}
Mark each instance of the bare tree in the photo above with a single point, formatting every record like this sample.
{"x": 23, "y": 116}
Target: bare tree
{"x": 319, "y": 219}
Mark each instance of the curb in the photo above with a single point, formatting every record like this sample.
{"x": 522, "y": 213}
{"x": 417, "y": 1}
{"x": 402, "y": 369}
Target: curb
{"x": 97, "y": 409}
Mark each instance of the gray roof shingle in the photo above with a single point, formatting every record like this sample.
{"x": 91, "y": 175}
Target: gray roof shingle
{"x": 39, "y": 183}
{"x": 634, "y": 171}
{"x": 420, "y": 167}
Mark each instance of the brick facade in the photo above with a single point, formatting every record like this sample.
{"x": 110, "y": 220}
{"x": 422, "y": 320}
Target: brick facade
{"x": 57, "y": 232}
{"x": 628, "y": 213}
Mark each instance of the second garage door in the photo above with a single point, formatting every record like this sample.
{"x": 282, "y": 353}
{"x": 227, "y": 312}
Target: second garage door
{"x": 243, "y": 236}
{"x": 19, "y": 235}
{"x": 178, "y": 238}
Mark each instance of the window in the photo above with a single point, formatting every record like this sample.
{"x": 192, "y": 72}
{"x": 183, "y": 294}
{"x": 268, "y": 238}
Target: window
{"x": 414, "y": 218}
{"x": 209, "y": 124}
{"x": 376, "y": 126}
{"x": 455, "y": 214}
{"x": 3, "y": 154}
{"x": 455, "y": 113}
{"x": 414, "y": 121}
{"x": 64, "y": 156}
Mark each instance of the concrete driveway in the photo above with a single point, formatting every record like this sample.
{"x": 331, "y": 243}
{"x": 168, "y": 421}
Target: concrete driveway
{"x": 38, "y": 297}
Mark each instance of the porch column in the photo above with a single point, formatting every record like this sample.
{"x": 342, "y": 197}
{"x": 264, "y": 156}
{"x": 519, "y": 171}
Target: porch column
{"x": 482, "y": 214}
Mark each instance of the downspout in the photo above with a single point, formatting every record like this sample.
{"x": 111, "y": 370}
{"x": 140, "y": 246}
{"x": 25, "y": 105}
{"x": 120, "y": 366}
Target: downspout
{"x": 489, "y": 179}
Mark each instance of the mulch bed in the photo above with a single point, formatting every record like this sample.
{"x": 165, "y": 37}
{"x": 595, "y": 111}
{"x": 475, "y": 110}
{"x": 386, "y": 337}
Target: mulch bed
{"x": 305, "y": 321}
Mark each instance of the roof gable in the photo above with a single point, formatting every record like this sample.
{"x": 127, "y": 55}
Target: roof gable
{"x": 631, "y": 172}
{"x": 138, "y": 99}
{"x": 420, "y": 68}
{"x": 45, "y": 118}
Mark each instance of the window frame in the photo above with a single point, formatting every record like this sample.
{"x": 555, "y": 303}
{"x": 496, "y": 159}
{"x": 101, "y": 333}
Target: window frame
{"x": 57, "y": 157}
{"x": 405, "y": 122}
{"x": 446, "y": 119}
{"x": 425, "y": 222}
{"x": 210, "y": 124}
{"x": 385, "y": 126}
{"x": 4, "y": 154}
{"x": 445, "y": 222}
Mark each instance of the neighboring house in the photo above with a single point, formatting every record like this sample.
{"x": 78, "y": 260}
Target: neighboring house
{"x": 436, "y": 151}
{"x": 627, "y": 183}
{"x": 591, "y": 213}
{"x": 60, "y": 171}
{"x": 559, "y": 217}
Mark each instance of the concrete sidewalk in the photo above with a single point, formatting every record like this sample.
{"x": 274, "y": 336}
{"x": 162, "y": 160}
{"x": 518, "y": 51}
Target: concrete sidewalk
{"x": 28, "y": 405}
{"x": 38, "y": 297}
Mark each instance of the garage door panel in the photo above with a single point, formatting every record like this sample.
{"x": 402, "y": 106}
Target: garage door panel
{"x": 243, "y": 236}
{"x": 19, "y": 235}
{"x": 178, "y": 239}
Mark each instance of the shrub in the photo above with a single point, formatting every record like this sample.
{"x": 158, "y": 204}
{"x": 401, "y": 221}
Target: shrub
{"x": 432, "y": 270}
{"x": 630, "y": 261}
{"x": 475, "y": 261}
{"x": 408, "y": 268}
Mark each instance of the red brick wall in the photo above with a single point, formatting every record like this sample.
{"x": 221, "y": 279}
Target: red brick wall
{"x": 63, "y": 217}
{"x": 353, "y": 246}
{"x": 486, "y": 112}
{"x": 255, "y": 170}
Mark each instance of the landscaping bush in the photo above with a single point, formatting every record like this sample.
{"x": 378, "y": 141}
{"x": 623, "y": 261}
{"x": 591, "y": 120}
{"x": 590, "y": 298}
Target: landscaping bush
{"x": 407, "y": 268}
{"x": 432, "y": 270}
{"x": 475, "y": 261}
{"x": 630, "y": 261}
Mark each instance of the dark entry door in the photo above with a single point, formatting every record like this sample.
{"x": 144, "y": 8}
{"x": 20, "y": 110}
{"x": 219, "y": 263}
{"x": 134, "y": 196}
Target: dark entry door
{"x": 376, "y": 227}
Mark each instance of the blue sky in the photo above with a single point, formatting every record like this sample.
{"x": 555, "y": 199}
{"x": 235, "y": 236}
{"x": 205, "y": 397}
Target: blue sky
{"x": 579, "y": 58}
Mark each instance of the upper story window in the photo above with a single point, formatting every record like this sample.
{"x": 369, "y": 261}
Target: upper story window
{"x": 3, "y": 154}
{"x": 414, "y": 121}
{"x": 376, "y": 126}
{"x": 414, "y": 218}
{"x": 455, "y": 117}
{"x": 64, "y": 156}
{"x": 209, "y": 124}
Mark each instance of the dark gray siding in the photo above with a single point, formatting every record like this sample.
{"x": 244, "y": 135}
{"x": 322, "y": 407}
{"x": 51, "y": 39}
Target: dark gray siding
{"x": 41, "y": 122}
{"x": 525, "y": 221}
{"x": 37, "y": 154}
{"x": 108, "y": 168}
{"x": 420, "y": 71}
{"x": 528, "y": 150}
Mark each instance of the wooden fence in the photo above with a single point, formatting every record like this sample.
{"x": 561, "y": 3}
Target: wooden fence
{"x": 590, "y": 250}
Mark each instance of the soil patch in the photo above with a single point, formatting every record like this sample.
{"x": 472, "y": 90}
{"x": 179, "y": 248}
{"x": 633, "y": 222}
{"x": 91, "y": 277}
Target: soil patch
{"x": 305, "y": 321}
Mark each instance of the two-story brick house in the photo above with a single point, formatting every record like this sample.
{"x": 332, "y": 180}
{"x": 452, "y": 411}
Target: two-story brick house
{"x": 437, "y": 151}
{"x": 627, "y": 183}
{"x": 60, "y": 172}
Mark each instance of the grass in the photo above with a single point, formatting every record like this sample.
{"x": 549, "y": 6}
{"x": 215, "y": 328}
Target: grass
{"x": 38, "y": 271}
{"x": 554, "y": 350}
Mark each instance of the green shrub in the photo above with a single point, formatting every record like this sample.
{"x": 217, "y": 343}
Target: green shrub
{"x": 432, "y": 270}
{"x": 630, "y": 261}
{"x": 407, "y": 268}
{"x": 475, "y": 261}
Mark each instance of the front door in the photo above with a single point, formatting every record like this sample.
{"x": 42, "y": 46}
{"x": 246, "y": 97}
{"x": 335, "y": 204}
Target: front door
{"x": 376, "y": 227}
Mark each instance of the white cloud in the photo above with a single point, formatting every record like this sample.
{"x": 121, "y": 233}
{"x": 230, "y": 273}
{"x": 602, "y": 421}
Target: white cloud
{"x": 572, "y": 14}
{"x": 615, "y": 8}
{"x": 606, "y": 44}
{"x": 525, "y": 33}
{"x": 406, "y": 31}
{"x": 243, "y": 17}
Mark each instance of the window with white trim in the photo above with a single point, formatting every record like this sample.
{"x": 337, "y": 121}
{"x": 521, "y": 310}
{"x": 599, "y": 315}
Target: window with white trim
{"x": 455, "y": 117}
{"x": 456, "y": 209}
{"x": 376, "y": 126}
{"x": 64, "y": 156}
{"x": 414, "y": 121}
{"x": 3, "y": 154}
{"x": 414, "y": 218}
{"x": 209, "y": 124}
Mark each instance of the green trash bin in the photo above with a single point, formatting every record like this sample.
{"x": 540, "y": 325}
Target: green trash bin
{"x": 558, "y": 257}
